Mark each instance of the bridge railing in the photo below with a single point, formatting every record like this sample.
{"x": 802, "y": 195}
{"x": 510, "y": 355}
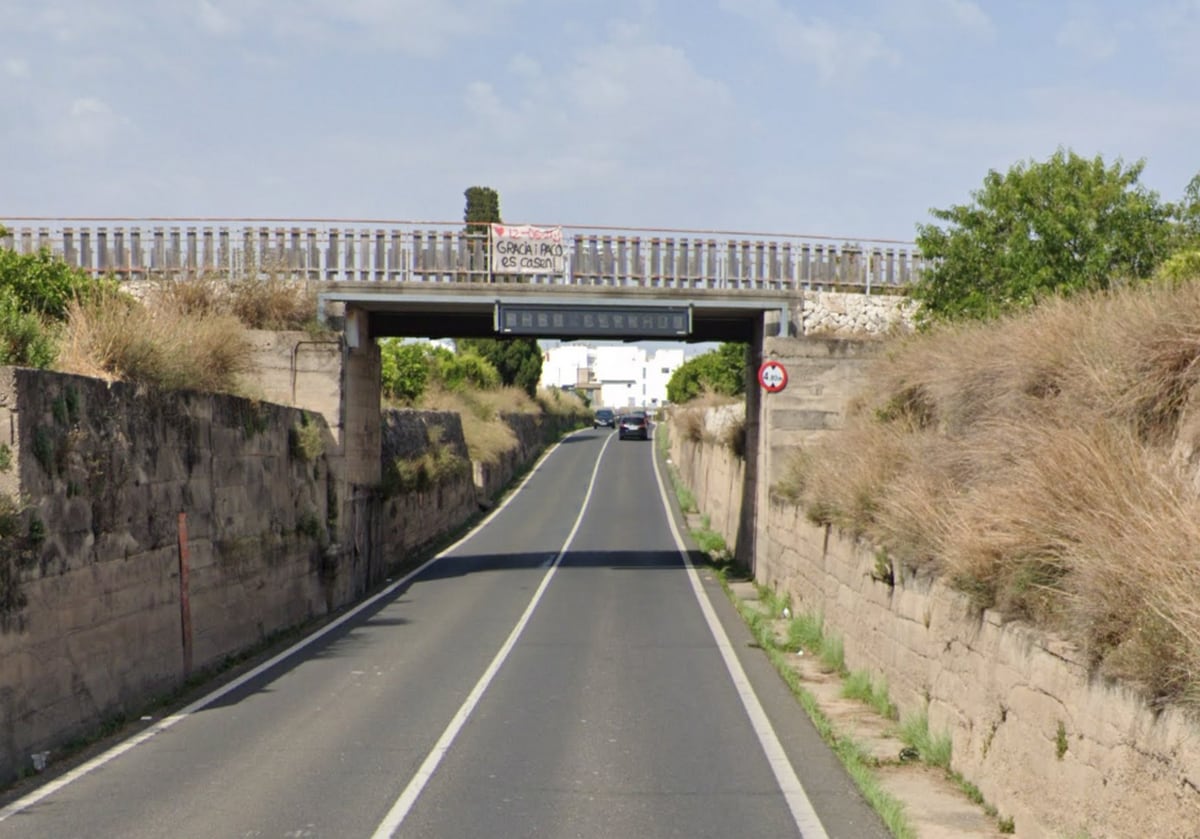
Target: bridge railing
{"x": 386, "y": 252}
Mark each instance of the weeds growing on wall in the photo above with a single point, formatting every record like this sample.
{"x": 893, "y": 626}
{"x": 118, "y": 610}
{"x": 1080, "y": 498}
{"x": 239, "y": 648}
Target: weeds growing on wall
{"x": 437, "y": 465}
{"x": 306, "y": 439}
{"x": 22, "y": 534}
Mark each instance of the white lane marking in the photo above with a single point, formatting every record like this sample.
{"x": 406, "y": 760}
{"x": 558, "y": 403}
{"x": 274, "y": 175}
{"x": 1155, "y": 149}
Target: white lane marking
{"x": 400, "y": 810}
{"x": 121, "y": 748}
{"x": 807, "y": 821}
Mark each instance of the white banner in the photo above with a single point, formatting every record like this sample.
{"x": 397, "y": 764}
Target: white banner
{"x": 525, "y": 249}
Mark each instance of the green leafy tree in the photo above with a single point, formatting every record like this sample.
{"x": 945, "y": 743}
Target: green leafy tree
{"x": 404, "y": 369}
{"x": 722, "y": 370}
{"x": 42, "y": 283}
{"x": 1065, "y": 225}
{"x": 518, "y": 360}
{"x": 483, "y": 207}
{"x": 466, "y": 367}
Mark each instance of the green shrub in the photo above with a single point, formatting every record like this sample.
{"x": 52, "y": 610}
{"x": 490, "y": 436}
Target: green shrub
{"x": 722, "y": 371}
{"x": 25, "y": 339}
{"x": 42, "y": 283}
{"x": 458, "y": 370}
{"x": 404, "y": 369}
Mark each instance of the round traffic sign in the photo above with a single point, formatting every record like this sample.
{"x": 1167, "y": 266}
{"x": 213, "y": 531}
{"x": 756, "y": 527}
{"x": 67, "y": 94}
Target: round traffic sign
{"x": 772, "y": 376}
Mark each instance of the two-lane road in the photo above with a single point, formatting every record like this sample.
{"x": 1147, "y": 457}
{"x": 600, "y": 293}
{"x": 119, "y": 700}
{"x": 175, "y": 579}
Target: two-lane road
{"x": 561, "y": 672}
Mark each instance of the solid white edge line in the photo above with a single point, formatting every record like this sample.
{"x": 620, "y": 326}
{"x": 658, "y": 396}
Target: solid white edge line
{"x": 400, "y": 810}
{"x": 807, "y": 821}
{"x": 51, "y": 787}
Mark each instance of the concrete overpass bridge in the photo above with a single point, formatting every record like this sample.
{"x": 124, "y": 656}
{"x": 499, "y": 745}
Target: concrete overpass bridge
{"x": 438, "y": 279}
{"x": 381, "y": 278}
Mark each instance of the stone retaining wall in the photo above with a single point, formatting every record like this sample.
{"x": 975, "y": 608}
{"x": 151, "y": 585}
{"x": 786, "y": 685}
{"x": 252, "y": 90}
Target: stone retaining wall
{"x": 118, "y": 485}
{"x": 1061, "y": 753}
{"x": 836, "y": 314}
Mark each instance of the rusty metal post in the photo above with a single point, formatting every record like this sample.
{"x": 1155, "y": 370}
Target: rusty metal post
{"x": 185, "y": 606}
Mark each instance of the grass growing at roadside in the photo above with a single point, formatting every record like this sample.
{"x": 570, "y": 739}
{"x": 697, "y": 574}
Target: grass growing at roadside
{"x": 807, "y": 632}
{"x": 935, "y": 749}
{"x": 859, "y": 765}
{"x": 859, "y": 685}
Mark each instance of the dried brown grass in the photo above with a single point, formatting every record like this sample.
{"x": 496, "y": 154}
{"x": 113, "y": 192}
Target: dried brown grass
{"x": 689, "y": 418}
{"x": 488, "y": 436}
{"x": 164, "y": 346}
{"x": 562, "y": 403}
{"x": 1033, "y": 463}
{"x": 268, "y": 299}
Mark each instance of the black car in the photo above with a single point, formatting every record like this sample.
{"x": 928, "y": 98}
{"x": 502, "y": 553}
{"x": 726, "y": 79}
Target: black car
{"x": 604, "y": 418}
{"x": 634, "y": 425}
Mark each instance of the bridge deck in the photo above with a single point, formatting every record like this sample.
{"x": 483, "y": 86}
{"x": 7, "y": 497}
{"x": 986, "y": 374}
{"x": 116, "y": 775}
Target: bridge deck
{"x": 441, "y": 253}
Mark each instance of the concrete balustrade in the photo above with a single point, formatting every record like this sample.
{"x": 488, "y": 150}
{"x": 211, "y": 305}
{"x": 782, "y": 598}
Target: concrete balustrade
{"x": 432, "y": 252}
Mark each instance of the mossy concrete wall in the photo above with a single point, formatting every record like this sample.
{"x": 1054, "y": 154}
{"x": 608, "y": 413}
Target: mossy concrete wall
{"x": 118, "y": 494}
{"x": 145, "y": 536}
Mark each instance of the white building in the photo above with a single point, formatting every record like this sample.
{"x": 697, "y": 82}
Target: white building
{"x": 618, "y": 376}
{"x": 566, "y": 366}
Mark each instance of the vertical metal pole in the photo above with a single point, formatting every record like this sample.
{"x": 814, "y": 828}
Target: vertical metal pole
{"x": 185, "y": 606}
{"x": 490, "y": 269}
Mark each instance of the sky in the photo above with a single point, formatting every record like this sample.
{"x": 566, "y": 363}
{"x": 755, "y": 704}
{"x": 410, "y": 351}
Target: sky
{"x": 843, "y": 118}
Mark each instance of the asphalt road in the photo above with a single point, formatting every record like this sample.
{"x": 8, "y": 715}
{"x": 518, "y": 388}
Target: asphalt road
{"x": 561, "y": 672}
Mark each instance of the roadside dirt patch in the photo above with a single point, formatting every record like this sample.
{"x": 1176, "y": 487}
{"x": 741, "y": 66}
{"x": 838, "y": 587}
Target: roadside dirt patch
{"x": 936, "y": 806}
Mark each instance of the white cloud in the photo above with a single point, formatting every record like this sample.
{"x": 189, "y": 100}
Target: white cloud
{"x": 624, "y": 116}
{"x": 17, "y": 68}
{"x": 1086, "y": 36}
{"x": 416, "y": 27}
{"x": 963, "y": 14}
{"x": 89, "y": 125}
{"x": 216, "y": 21}
{"x": 1177, "y": 26}
{"x": 838, "y": 52}
{"x": 956, "y": 152}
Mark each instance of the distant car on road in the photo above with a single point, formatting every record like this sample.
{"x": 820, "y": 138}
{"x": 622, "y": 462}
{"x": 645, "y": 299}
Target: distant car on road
{"x": 604, "y": 418}
{"x": 634, "y": 425}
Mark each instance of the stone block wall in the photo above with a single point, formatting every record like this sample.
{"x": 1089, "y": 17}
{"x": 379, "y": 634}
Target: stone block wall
{"x": 116, "y": 487}
{"x": 1060, "y": 752}
{"x": 533, "y": 432}
{"x": 838, "y": 314}
{"x": 710, "y": 468}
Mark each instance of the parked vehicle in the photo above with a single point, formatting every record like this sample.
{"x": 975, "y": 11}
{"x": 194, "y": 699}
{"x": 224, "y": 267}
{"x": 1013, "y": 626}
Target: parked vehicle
{"x": 604, "y": 418}
{"x": 634, "y": 426}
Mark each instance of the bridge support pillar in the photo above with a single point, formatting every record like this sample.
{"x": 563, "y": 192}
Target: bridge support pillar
{"x": 361, "y": 400}
{"x": 783, "y": 322}
{"x": 746, "y": 541}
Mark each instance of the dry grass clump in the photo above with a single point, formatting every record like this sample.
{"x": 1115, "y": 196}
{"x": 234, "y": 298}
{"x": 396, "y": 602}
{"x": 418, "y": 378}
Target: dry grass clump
{"x": 1046, "y": 465}
{"x": 438, "y": 464}
{"x": 260, "y": 300}
{"x": 561, "y": 403}
{"x": 186, "y": 332}
{"x": 487, "y": 436}
{"x": 274, "y": 302}
{"x": 690, "y": 419}
{"x": 115, "y": 337}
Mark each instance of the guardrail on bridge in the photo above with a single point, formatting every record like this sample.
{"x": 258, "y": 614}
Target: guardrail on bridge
{"x": 379, "y": 251}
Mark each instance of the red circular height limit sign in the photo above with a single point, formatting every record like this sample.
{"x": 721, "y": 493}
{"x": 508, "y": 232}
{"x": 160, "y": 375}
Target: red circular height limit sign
{"x": 772, "y": 376}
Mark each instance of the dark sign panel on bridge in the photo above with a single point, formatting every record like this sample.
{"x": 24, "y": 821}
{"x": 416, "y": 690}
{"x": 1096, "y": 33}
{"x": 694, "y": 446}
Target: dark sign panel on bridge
{"x": 593, "y": 321}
